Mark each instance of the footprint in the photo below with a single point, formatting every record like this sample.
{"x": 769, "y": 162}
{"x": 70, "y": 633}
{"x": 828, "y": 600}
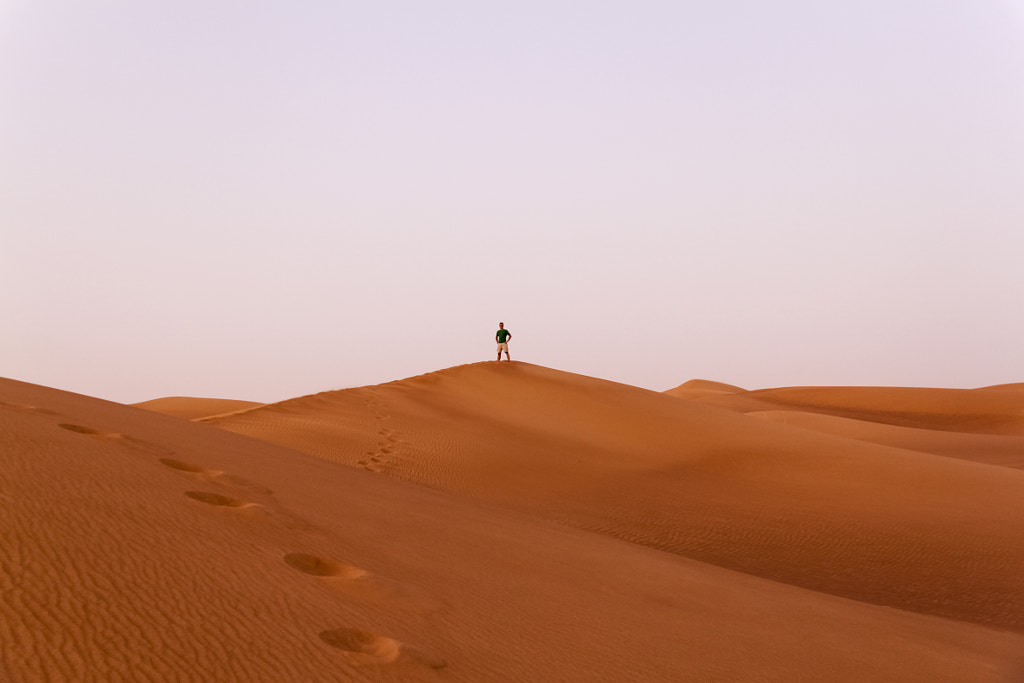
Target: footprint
{"x": 208, "y": 474}
{"x": 370, "y": 648}
{"x": 182, "y": 466}
{"x": 79, "y": 429}
{"x": 359, "y": 583}
{"x": 319, "y": 566}
{"x": 126, "y": 441}
{"x": 265, "y": 511}
{"x": 217, "y": 499}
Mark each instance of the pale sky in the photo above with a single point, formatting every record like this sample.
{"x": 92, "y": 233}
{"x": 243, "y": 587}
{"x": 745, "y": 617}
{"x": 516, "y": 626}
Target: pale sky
{"x": 265, "y": 199}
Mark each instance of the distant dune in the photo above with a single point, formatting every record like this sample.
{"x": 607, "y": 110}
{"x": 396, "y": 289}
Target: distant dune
{"x": 192, "y": 408}
{"x": 1018, "y": 387}
{"x": 997, "y": 410}
{"x": 994, "y": 449}
{"x": 700, "y": 388}
{"x": 498, "y": 522}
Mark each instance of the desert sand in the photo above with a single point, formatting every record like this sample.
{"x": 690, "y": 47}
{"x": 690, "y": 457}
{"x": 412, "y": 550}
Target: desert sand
{"x": 191, "y": 408}
{"x": 510, "y": 522}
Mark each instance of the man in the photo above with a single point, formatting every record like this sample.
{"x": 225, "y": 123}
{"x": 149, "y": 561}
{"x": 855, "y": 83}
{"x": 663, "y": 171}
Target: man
{"x": 502, "y": 338}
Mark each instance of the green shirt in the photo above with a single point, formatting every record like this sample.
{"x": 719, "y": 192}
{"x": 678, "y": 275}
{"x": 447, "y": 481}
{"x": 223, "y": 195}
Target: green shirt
{"x": 502, "y": 336}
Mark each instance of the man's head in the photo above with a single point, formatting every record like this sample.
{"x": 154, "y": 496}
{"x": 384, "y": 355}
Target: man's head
{"x": 501, "y": 326}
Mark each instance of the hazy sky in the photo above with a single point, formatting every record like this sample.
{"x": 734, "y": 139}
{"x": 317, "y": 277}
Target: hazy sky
{"x": 263, "y": 199}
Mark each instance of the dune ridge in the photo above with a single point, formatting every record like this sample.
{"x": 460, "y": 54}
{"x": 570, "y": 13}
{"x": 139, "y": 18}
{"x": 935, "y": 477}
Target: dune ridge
{"x": 981, "y": 411}
{"x": 701, "y": 388}
{"x": 1005, "y": 450}
{"x": 139, "y": 545}
{"x": 191, "y": 408}
{"x": 837, "y": 515}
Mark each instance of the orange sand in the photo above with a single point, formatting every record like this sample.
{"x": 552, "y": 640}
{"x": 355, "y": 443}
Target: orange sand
{"x": 191, "y": 408}
{"x": 702, "y": 388}
{"x": 507, "y": 522}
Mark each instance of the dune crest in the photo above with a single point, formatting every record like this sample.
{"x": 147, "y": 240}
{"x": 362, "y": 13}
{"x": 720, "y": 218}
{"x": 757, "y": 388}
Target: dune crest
{"x": 980, "y": 411}
{"x": 700, "y": 388}
{"x": 190, "y": 408}
{"x": 992, "y": 449}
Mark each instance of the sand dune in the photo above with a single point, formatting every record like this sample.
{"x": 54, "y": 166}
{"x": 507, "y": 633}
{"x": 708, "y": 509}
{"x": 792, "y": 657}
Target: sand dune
{"x": 992, "y": 449}
{"x": 997, "y": 410}
{"x": 882, "y": 525}
{"x": 1017, "y": 388}
{"x": 191, "y": 408}
{"x": 702, "y": 388}
{"x": 142, "y": 546}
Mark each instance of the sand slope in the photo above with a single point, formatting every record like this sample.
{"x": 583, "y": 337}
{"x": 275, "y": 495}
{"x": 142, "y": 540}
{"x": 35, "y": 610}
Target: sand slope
{"x": 191, "y": 408}
{"x": 141, "y": 546}
{"x": 992, "y": 449}
{"x": 982, "y": 425}
{"x": 994, "y": 410}
{"x": 882, "y": 525}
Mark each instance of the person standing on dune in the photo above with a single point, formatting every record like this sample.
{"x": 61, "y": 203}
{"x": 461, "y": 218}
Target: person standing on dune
{"x": 502, "y": 338}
